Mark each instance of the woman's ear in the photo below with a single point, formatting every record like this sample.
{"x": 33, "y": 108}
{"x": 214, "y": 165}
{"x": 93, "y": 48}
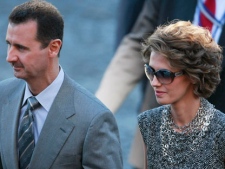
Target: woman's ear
{"x": 193, "y": 81}
{"x": 54, "y": 47}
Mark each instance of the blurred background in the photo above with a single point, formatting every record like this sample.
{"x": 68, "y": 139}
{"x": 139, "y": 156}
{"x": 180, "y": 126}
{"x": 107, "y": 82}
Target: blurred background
{"x": 89, "y": 38}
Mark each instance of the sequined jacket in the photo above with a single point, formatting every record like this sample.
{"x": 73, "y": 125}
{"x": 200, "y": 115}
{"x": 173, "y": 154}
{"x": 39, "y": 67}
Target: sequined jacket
{"x": 201, "y": 148}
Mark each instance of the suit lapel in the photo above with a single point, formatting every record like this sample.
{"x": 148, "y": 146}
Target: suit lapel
{"x": 9, "y": 119}
{"x": 56, "y": 129}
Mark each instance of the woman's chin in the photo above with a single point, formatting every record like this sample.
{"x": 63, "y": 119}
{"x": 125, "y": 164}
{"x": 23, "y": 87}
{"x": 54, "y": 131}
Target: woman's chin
{"x": 162, "y": 101}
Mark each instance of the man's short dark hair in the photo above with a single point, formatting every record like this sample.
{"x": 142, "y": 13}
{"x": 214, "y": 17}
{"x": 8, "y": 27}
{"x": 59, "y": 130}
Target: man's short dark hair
{"x": 50, "y": 23}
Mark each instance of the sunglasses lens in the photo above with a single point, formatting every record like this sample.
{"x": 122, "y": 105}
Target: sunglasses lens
{"x": 164, "y": 77}
{"x": 149, "y": 72}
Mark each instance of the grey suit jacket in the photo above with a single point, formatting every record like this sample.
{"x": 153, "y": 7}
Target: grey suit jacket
{"x": 79, "y": 131}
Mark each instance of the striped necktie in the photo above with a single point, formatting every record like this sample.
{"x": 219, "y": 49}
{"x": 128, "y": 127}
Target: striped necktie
{"x": 26, "y": 135}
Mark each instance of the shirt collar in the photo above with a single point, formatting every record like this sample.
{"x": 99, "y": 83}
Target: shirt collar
{"x": 47, "y": 96}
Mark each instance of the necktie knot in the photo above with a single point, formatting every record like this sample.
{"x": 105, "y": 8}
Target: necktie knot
{"x": 33, "y": 103}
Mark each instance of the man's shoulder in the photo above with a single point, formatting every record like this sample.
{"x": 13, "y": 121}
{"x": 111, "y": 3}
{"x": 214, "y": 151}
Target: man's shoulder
{"x": 9, "y": 87}
{"x": 10, "y": 83}
{"x": 88, "y": 108}
{"x": 83, "y": 98}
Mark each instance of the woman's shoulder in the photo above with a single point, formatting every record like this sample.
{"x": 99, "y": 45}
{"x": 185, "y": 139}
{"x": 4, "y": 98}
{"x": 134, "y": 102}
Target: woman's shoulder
{"x": 218, "y": 128}
{"x": 149, "y": 122}
{"x": 151, "y": 115}
{"x": 219, "y": 118}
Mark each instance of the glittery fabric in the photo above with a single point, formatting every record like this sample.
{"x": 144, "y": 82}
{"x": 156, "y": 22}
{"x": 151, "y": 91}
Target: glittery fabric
{"x": 200, "y": 148}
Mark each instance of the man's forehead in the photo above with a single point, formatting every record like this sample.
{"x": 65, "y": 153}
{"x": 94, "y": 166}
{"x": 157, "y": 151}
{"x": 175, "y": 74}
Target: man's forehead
{"x": 21, "y": 33}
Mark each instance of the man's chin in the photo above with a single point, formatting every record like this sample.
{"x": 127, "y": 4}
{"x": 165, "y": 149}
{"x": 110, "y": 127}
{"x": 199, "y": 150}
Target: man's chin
{"x": 18, "y": 75}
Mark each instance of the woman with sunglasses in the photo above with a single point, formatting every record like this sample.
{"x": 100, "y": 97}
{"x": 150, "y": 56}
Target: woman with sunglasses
{"x": 183, "y": 64}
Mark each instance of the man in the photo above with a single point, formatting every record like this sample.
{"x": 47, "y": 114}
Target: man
{"x": 47, "y": 119}
{"x": 127, "y": 68}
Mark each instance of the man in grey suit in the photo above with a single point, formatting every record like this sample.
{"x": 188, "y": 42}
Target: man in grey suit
{"x": 70, "y": 128}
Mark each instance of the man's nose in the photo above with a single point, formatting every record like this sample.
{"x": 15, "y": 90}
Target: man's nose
{"x": 11, "y": 54}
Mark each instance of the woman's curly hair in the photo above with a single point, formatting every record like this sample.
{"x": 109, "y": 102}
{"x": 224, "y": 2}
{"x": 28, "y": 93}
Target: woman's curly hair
{"x": 191, "y": 49}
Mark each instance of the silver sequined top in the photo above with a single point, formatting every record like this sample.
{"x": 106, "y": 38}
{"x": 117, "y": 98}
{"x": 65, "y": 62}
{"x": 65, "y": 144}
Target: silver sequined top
{"x": 202, "y": 147}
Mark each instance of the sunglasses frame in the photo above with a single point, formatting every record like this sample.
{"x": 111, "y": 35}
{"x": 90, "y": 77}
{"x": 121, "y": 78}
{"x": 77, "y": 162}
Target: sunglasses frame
{"x": 155, "y": 73}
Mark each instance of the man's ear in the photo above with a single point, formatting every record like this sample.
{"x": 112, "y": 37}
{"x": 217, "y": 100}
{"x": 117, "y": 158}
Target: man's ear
{"x": 54, "y": 47}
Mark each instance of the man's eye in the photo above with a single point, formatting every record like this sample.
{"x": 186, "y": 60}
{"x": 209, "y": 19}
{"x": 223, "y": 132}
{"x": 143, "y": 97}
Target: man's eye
{"x": 8, "y": 44}
{"x": 21, "y": 48}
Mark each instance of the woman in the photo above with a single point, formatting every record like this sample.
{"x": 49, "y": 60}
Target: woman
{"x": 183, "y": 67}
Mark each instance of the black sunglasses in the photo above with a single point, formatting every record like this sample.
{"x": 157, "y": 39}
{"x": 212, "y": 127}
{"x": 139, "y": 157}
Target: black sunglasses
{"x": 163, "y": 76}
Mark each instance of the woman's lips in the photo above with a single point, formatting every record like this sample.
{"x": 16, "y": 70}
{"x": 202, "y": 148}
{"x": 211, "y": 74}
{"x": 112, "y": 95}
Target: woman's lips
{"x": 159, "y": 93}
